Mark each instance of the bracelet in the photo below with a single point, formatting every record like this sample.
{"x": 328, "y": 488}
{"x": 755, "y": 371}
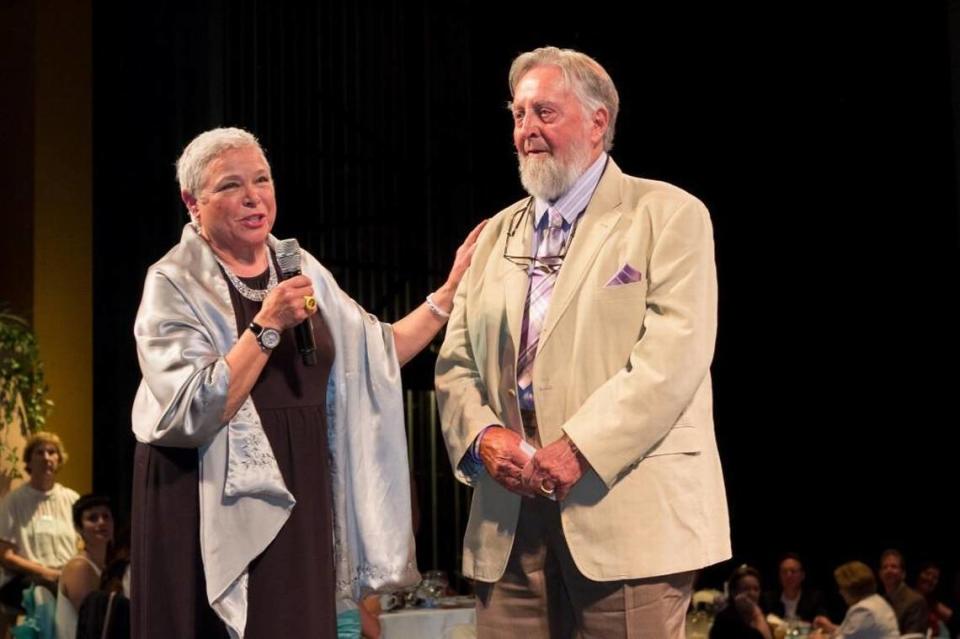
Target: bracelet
{"x": 436, "y": 310}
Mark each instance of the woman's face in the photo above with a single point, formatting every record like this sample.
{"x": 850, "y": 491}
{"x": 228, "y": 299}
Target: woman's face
{"x": 236, "y": 207}
{"x": 847, "y": 597}
{"x": 97, "y": 525}
{"x": 750, "y": 586}
{"x": 928, "y": 579}
{"x": 44, "y": 461}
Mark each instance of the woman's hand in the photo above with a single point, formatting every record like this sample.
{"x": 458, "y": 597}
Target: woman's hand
{"x": 443, "y": 296}
{"x": 415, "y": 330}
{"x": 285, "y": 306}
{"x": 17, "y": 564}
{"x": 752, "y": 615}
{"x": 823, "y": 624}
{"x": 746, "y": 607}
{"x": 463, "y": 257}
{"x": 51, "y": 575}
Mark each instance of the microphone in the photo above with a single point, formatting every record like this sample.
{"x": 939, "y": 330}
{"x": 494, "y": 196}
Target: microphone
{"x": 288, "y": 257}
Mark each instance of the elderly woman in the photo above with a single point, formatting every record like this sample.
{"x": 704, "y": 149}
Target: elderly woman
{"x": 37, "y": 537}
{"x": 263, "y": 486}
{"x": 869, "y": 616}
{"x": 93, "y": 520}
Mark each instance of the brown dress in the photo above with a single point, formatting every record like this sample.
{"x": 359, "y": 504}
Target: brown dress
{"x": 291, "y": 588}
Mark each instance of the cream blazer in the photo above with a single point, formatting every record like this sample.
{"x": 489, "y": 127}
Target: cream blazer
{"x": 623, "y": 370}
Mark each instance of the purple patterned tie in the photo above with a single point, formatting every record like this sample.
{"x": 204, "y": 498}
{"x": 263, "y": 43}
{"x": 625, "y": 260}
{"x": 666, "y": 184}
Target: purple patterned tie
{"x": 542, "y": 278}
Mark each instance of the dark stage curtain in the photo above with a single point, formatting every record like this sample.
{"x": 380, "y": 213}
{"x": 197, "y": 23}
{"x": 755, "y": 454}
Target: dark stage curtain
{"x": 820, "y": 137}
{"x": 365, "y": 115}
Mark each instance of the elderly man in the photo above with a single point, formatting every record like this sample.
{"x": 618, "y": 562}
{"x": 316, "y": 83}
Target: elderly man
{"x": 910, "y": 606}
{"x": 574, "y": 381}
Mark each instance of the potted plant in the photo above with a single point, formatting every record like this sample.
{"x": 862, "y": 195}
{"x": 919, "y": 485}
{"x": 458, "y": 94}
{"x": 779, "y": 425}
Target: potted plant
{"x": 24, "y": 405}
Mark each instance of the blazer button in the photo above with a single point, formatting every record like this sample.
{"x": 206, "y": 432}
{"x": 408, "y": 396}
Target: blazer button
{"x": 511, "y": 392}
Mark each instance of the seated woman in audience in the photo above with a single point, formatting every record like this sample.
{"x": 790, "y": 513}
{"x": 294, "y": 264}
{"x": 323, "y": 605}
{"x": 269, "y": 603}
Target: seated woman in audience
{"x": 81, "y": 576}
{"x": 869, "y": 616}
{"x": 36, "y": 534}
{"x": 940, "y": 614}
{"x": 105, "y": 613}
{"x": 742, "y": 618}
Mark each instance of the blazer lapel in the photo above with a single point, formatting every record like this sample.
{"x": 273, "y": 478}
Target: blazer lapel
{"x": 515, "y": 279}
{"x": 593, "y": 230}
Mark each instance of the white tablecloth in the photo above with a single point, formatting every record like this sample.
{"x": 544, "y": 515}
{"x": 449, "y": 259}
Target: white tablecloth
{"x": 431, "y": 623}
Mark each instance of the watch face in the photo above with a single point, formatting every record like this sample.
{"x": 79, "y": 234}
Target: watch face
{"x": 269, "y": 338}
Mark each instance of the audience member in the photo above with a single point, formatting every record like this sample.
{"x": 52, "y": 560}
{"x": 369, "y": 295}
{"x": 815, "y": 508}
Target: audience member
{"x": 869, "y": 615}
{"x": 792, "y": 601}
{"x": 742, "y": 618}
{"x": 910, "y": 606}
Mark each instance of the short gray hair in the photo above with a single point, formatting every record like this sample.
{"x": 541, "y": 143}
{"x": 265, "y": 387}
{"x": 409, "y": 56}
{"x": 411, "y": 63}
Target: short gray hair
{"x": 589, "y": 81}
{"x": 204, "y": 148}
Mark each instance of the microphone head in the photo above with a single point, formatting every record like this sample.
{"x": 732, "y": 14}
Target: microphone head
{"x": 288, "y": 256}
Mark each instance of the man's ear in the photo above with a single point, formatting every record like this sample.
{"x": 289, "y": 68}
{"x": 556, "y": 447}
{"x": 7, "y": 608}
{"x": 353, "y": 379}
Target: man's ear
{"x": 600, "y": 120}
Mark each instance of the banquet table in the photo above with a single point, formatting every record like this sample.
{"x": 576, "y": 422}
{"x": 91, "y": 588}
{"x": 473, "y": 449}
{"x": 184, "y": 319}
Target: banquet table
{"x": 427, "y": 623}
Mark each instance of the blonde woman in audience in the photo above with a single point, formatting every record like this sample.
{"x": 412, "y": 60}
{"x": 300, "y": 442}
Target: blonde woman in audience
{"x": 37, "y": 537}
{"x": 869, "y": 616}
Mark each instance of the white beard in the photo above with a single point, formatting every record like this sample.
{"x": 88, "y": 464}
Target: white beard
{"x": 549, "y": 177}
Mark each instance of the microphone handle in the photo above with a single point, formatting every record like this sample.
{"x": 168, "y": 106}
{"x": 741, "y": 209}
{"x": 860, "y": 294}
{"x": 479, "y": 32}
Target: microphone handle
{"x": 303, "y": 332}
{"x": 305, "y": 342}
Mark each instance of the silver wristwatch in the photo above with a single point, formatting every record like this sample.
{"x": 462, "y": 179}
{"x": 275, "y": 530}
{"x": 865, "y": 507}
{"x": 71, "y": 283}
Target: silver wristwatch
{"x": 267, "y": 338}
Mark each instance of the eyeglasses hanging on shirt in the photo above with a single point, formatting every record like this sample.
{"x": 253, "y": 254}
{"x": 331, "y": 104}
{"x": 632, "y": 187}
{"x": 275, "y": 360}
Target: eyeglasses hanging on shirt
{"x": 548, "y": 263}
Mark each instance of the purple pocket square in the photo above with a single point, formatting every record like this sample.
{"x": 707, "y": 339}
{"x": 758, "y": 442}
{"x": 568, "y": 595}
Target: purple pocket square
{"x": 626, "y": 275}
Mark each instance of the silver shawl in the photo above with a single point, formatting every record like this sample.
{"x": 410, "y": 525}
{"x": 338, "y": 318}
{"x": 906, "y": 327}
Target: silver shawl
{"x": 184, "y": 328}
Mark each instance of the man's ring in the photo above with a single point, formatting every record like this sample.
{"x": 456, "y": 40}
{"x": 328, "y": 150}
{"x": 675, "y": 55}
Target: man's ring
{"x": 544, "y": 489}
{"x": 309, "y": 302}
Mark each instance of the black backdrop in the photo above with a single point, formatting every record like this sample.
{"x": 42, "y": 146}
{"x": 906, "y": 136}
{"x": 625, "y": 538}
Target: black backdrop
{"x": 821, "y": 138}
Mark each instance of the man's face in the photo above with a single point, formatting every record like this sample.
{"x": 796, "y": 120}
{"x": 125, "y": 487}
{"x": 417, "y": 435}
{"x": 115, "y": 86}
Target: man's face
{"x": 891, "y": 572}
{"x": 555, "y": 140}
{"x": 791, "y": 574}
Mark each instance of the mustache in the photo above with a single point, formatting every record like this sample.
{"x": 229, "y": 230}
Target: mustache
{"x": 535, "y": 145}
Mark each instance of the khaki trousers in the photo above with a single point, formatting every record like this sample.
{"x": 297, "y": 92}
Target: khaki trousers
{"x": 542, "y": 594}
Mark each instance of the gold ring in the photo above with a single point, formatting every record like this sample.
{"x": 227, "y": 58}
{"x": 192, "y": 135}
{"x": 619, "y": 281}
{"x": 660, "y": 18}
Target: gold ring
{"x": 545, "y": 490}
{"x": 309, "y": 302}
